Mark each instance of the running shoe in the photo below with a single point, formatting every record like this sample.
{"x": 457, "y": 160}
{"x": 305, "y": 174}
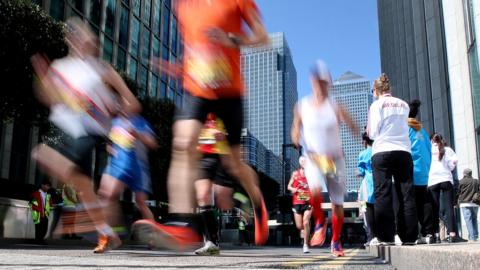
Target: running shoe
{"x": 209, "y": 249}
{"x": 319, "y": 233}
{"x": 374, "y": 242}
{"x": 421, "y": 241}
{"x": 336, "y": 249}
{"x": 261, "y": 224}
{"x": 107, "y": 243}
{"x": 167, "y": 236}
{"x": 306, "y": 249}
{"x": 398, "y": 241}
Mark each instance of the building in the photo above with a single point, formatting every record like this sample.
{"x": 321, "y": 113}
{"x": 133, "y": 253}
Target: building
{"x": 130, "y": 34}
{"x": 413, "y": 55}
{"x": 271, "y": 82}
{"x": 354, "y": 92}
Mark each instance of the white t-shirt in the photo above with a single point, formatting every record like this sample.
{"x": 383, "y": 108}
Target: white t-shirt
{"x": 388, "y": 125}
{"x": 320, "y": 127}
{"x": 441, "y": 170}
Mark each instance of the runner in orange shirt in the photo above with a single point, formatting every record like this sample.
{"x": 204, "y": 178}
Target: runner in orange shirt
{"x": 212, "y": 32}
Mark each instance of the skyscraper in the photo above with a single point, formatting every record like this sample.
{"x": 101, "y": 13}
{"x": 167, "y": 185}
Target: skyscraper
{"x": 413, "y": 54}
{"x": 353, "y": 92}
{"x": 271, "y": 81}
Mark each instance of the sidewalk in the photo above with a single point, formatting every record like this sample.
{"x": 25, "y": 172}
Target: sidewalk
{"x": 439, "y": 256}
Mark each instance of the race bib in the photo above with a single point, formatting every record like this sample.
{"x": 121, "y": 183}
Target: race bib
{"x": 303, "y": 196}
{"x": 209, "y": 67}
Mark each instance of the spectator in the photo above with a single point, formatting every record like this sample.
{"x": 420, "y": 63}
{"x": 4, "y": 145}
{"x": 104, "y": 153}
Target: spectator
{"x": 468, "y": 193}
{"x": 41, "y": 204}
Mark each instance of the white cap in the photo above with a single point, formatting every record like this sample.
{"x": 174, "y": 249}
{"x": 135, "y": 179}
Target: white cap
{"x": 321, "y": 71}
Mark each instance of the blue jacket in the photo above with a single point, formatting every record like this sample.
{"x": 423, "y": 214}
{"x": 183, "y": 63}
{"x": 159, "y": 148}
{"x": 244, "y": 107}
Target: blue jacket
{"x": 364, "y": 167}
{"x": 421, "y": 152}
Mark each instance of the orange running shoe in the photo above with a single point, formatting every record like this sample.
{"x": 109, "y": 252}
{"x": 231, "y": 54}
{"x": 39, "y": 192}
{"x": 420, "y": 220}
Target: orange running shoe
{"x": 167, "y": 236}
{"x": 261, "y": 224}
{"x": 107, "y": 243}
{"x": 336, "y": 249}
{"x": 319, "y": 234}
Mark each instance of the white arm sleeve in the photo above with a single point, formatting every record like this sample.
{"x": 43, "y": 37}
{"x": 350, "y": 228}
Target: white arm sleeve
{"x": 374, "y": 119}
{"x": 451, "y": 158}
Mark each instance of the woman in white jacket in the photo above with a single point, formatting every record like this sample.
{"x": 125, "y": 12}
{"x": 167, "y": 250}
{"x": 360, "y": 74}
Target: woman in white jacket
{"x": 440, "y": 179}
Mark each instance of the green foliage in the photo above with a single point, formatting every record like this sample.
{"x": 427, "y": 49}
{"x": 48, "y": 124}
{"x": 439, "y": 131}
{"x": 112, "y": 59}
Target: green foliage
{"x": 25, "y": 30}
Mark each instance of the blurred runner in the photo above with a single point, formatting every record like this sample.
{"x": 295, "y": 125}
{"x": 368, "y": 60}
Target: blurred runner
{"x": 213, "y": 33}
{"x": 302, "y": 209}
{"x": 214, "y": 186}
{"x": 127, "y": 167}
{"x": 316, "y": 127}
{"x": 81, "y": 94}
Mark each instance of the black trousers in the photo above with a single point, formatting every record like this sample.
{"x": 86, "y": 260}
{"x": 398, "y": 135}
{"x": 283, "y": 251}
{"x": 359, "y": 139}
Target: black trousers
{"x": 41, "y": 229}
{"x": 370, "y": 218}
{"x": 387, "y": 166}
{"x": 434, "y": 191}
{"x": 424, "y": 210}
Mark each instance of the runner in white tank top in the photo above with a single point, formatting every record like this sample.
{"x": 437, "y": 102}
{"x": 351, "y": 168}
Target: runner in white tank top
{"x": 316, "y": 126}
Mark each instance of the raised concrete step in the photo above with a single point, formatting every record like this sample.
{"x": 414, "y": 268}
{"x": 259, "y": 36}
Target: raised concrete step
{"x": 439, "y": 256}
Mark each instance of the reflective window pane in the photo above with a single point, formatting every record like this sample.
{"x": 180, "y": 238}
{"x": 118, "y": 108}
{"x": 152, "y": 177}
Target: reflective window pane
{"x": 171, "y": 94}
{"x": 156, "y": 47}
{"x": 110, "y": 17}
{"x": 174, "y": 36}
{"x": 143, "y": 79}
{"x": 121, "y": 59}
{"x": 153, "y": 86}
{"x": 94, "y": 11}
{"x": 108, "y": 50}
{"x": 135, "y": 36}
{"x": 166, "y": 25}
{"x": 178, "y": 101}
{"x": 136, "y": 7}
{"x": 132, "y": 69}
{"x": 147, "y": 6}
{"x": 123, "y": 35}
{"x": 163, "y": 90}
{"x": 157, "y": 10}
{"x": 78, "y": 4}
{"x": 146, "y": 45}
{"x": 57, "y": 9}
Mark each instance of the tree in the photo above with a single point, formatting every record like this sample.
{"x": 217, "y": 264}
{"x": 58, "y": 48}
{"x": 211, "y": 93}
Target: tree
{"x": 25, "y": 30}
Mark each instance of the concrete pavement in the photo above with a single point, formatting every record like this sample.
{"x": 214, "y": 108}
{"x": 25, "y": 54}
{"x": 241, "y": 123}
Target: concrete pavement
{"x": 25, "y": 256}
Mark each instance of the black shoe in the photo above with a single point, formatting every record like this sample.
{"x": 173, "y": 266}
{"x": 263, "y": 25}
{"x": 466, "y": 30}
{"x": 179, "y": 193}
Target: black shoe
{"x": 437, "y": 240}
{"x": 454, "y": 239}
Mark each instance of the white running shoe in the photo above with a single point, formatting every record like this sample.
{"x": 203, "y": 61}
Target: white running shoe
{"x": 306, "y": 249}
{"x": 374, "y": 242}
{"x": 398, "y": 241}
{"x": 209, "y": 249}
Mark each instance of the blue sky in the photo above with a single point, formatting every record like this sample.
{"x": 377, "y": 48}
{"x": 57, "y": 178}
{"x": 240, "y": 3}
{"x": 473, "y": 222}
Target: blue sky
{"x": 344, "y": 33}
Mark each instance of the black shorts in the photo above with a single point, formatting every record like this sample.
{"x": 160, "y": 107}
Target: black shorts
{"x": 79, "y": 151}
{"x": 301, "y": 208}
{"x": 211, "y": 168}
{"x": 229, "y": 110}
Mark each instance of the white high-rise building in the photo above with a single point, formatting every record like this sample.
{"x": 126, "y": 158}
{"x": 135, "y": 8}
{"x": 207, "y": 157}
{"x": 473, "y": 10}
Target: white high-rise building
{"x": 354, "y": 93}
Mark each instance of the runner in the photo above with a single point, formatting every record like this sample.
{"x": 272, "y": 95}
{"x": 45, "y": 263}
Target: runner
{"x": 212, "y": 180}
{"x": 212, "y": 31}
{"x": 302, "y": 210}
{"x": 366, "y": 193}
{"x": 76, "y": 89}
{"x": 127, "y": 167}
{"x": 316, "y": 126}
{"x": 388, "y": 127}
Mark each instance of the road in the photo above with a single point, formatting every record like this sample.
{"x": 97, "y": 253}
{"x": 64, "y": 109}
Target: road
{"x": 22, "y": 256}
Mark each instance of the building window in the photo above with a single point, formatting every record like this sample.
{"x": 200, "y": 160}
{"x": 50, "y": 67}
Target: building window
{"x": 108, "y": 50}
{"x": 132, "y": 69}
{"x": 156, "y": 47}
{"x": 135, "y": 36}
{"x": 147, "y": 11}
{"x": 110, "y": 17}
{"x": 136, "y": 7}
{"x": 94, "y": 12}
{"x": 57, "y": 9}
{"x": 171, "y": 94}
{"x": 157, "y": 11}
{"x": 166, "y": 25}
{"x": 469, "y": 23}
{"x": 174, "y": 36}
{"x": 121, "y": 59}
{"x": 163, "y": 90}
{"x": 78, "y": 5}
{"x": 123, "y": 35}
{"x": 143, "y": 79}
{"x": 153, "y": 85}
{"x": 146, "y": 46}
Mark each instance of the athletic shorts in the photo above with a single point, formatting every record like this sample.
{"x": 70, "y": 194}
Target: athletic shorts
{"x": 79, "y": 151}
{"x": 229, "y": 110}
{"x": 334, "y": 184}
{"x": 301, "y": 208}
{"x": 210, "y": 167}
{"x": 131, "y": 174}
